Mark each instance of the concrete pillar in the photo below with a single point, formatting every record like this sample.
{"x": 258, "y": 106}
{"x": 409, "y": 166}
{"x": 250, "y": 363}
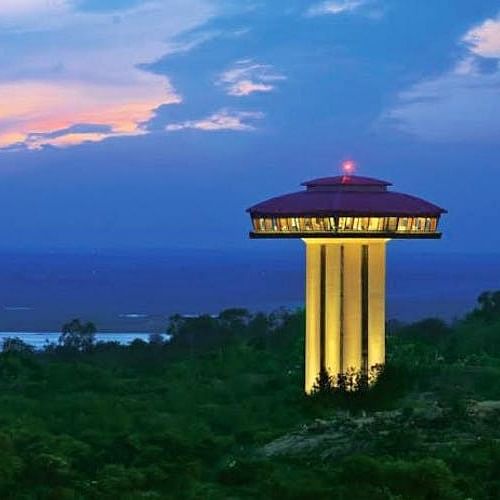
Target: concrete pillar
{"x": 312, "y": 345}
{"x": 352, "y": 340}
{"x": 333, "y": 309}
{"x": 376, "y": 304}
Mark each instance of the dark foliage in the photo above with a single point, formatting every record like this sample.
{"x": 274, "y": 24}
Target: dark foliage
{"x": 77, "y": 336}
{"x": 188, "y": 419}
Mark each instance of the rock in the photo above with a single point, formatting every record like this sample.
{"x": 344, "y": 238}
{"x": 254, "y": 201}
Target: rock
{"x": 484, "y": 408}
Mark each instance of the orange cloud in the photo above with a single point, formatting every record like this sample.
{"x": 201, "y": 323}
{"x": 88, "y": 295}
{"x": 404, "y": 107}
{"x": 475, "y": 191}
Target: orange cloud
{"x": 33, "y": 113}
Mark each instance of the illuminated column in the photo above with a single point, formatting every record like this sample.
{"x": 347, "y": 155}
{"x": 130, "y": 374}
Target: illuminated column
{"x": 376, "y": 303}
{"x": 313, "y": 305}
{"x": 333, "y": 309}
{"x": 351, "y": 307}
{"x": 345, "y": 306}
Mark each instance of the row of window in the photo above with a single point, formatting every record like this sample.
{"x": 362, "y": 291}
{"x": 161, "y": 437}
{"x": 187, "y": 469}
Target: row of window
{"x": 344, "y": 224}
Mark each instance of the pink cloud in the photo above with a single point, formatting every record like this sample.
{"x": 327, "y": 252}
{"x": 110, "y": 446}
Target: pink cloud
{"x": 484, "y": 40}
{"x": 31, "y": 113}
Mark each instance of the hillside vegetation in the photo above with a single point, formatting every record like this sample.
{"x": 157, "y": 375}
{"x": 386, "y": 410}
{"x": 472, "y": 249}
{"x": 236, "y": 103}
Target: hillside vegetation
{"x": 218, "y": 413}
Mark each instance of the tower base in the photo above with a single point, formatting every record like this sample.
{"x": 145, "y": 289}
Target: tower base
{"x": 345, "y": 308}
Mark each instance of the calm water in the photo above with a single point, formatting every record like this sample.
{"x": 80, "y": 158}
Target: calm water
{"x": 40, "y": 339}
{"x": 137, "y": 293}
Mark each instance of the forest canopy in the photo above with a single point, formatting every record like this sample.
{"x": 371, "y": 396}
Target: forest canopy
{"x": 214, "y": 408}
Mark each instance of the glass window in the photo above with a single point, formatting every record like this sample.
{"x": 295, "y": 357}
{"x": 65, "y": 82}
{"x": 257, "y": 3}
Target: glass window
{"x": 282, "y": 224}
{"x": 373, "y": 224}
{"x": 392, "y": 223}
{"x": 316, "y": 223}
{"x": 403, "y": 224}
{"x": 348, "y": 223}
{"x": 433, "y": 224}
{"x": 341, "y": 226}
{"x": 421, "y": 224}
{"x": 307, "y": 224}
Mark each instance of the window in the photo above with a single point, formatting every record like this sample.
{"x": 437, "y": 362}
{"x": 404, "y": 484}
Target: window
{"x": 293, "y": 223}
{"x": 282, "y": 224}
{"x": 373, "y": 224}
{"x": 392, "y": 223}
{"x": 403, "y": 224}
{"x": 348, "y": 223}
{"x": 419, "y": 224}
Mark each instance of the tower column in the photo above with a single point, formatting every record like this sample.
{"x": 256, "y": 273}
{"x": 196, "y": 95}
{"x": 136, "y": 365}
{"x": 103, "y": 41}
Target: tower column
{"x": 333, "y": 309}
{"x": 352, "y": 307}
{"x": 313, "y": 314}
{"x": 376, "y": 303}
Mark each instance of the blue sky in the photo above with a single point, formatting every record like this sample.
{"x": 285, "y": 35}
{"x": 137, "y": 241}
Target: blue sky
{"x": 154, "y": 124}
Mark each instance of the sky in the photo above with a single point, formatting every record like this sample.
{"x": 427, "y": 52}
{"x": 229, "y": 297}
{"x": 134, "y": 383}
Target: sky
{"x": 149, "y": 124}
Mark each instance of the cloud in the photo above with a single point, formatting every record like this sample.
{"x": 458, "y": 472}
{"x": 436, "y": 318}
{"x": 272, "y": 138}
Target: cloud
{"x": 335, "y": 7}
{"x": 484, "y": 40}
{"x": 85, "y": 68}
{"x": 246, "y": 77}
{"x": 11, "y": 8}
{"x": 221, "y": 120}
{"x": 463, "y": 103}
{"x": 33, "y": 112}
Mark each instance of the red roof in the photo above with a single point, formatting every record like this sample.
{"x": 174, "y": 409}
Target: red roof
{"x": 351, "y": 180}
{"x": 372, "y": 198}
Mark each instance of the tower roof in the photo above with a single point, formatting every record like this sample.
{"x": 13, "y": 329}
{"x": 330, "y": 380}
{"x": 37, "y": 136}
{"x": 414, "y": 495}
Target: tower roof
{"x": 348, "y": 196}
{"x": 345, "y": 180}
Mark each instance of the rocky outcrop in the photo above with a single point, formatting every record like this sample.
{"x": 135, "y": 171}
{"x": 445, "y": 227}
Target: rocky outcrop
{"x": 427, "y": 426}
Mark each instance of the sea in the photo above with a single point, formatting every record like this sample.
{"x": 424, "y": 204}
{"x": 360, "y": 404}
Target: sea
{"x": 132, "y": 294}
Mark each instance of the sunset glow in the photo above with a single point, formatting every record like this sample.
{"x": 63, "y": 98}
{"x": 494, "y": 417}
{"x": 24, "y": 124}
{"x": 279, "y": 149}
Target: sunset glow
{"x": 36, "y": 114}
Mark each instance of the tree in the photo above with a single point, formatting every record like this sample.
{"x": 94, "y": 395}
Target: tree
{"x": 156, "y": 339}
{"x": 488, "y": 306}
{"x": 78, "y": 336}
{"x": 234, "y": 319}
{"x": 15, "y": 344}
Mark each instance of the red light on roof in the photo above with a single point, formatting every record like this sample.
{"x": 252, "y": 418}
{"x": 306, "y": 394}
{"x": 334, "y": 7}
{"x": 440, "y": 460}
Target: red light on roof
{"x": 348, "y": 167}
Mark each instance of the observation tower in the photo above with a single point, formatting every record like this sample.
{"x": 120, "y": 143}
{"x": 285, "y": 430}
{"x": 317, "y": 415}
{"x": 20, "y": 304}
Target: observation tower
{"x": 345, "y": 223}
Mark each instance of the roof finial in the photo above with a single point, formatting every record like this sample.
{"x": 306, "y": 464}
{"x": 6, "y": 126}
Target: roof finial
{"x": 348, "y": 168}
